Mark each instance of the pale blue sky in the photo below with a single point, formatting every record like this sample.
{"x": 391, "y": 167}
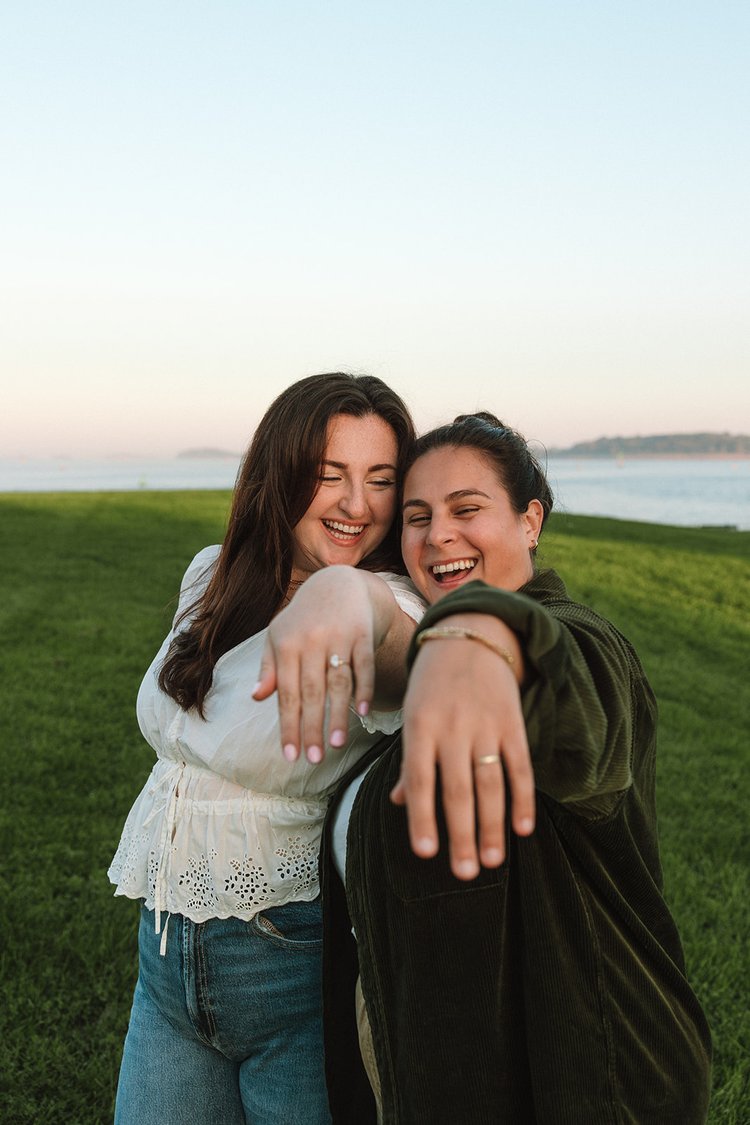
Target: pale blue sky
{"x": 536, "y": 207}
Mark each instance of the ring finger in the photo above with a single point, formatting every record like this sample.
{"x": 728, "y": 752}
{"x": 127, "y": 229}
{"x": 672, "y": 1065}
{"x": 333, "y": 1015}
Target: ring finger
{"x": 489, "y": 787}
{"x": 339, "y": 686}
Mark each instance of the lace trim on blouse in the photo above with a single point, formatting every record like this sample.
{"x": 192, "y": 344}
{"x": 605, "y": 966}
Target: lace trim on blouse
{"x": 182, "y": 859}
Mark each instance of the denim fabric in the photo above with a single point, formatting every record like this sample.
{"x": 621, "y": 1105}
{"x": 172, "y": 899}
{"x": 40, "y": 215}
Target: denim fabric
{"x": 226, "y": 1027}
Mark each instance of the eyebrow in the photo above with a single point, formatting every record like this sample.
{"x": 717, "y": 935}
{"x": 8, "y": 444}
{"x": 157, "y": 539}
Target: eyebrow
{"x": 459, "y": 494}
{"x": 371, "y": 469}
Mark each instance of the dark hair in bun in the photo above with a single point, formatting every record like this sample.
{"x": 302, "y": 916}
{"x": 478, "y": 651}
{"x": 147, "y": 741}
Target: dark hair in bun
{"x": 517, "y": 468}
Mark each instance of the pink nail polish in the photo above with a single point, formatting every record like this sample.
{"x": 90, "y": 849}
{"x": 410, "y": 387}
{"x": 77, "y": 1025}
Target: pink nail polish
{"x": 338, "y": 737}
{"x": 290, "y": 752}
{"x": 314, "y": 754}
{"x": 363, "y": 708}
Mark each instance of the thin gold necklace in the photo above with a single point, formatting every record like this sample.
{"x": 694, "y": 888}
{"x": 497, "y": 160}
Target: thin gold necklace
{"x": 291, "y": 590}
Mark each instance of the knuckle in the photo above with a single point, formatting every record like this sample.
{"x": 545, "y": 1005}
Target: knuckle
{"x": 339, "y": 677}
{"x": 456, "y": 789}
{"x": 288, "y": 699}
{"x": 286, "y": 647}
{"x": 419, "y": 720}
{"x": 417, "y": 774}
{"x": 488, "y": 780}
{"x": 311, "y": 693}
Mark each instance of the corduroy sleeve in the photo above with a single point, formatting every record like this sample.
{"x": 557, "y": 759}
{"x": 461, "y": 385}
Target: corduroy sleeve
{"x": 578, "y": 695}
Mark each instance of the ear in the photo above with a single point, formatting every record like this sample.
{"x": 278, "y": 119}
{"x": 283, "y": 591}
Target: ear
{"x": 533, "y": 518}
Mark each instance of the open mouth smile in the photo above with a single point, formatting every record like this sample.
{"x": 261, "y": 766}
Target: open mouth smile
{"x": 344, "y": 532}
{"x": 454, "y": 571}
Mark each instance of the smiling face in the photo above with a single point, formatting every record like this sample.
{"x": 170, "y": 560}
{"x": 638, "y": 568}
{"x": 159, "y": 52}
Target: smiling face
{"x": 459, "y": 525}
{"x": 355, "y": 503}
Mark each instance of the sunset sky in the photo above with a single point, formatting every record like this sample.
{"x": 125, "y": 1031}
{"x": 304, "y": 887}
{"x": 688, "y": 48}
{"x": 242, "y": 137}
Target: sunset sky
{"x": 535, "y": 207}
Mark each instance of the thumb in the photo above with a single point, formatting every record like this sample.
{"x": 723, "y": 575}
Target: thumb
{"x": 398, "y": 793}
{"x": 266, "y": 684}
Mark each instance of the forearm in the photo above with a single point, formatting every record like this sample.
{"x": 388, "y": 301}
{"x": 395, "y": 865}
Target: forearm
{"x": 393, "y": 630}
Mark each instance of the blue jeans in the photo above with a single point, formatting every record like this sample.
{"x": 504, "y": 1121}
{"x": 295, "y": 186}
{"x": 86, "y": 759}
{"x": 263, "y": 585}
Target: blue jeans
{"x": 226, "y": 1028}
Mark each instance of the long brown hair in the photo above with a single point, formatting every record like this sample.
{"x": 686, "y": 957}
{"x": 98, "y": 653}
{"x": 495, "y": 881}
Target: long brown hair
{"x": 277, "y": 480}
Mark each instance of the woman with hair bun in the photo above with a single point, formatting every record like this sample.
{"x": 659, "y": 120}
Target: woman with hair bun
{"x": 532, "y": 977}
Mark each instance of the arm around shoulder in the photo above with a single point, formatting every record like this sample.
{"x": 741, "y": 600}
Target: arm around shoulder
{"x": 577, "y": 694}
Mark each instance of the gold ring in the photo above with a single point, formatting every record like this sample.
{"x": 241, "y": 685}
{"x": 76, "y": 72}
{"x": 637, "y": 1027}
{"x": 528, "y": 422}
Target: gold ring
{"x": 487, "y": 760}
{"x": 337, "y": 661}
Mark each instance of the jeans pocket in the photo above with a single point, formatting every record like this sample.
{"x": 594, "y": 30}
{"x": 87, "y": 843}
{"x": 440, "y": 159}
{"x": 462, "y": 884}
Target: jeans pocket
{"x": 294, "y": 925}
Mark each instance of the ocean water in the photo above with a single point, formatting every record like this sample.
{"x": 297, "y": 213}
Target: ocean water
{"x": 116, "y": 474}
{"x": 684, "y": 492}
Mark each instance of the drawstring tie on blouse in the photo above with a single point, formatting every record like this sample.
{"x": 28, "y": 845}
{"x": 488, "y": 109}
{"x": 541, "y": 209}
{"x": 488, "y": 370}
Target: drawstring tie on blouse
{"x": 168, "y": 784}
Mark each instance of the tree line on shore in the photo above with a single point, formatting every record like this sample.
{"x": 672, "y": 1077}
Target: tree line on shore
{"x": 653, "y": 445}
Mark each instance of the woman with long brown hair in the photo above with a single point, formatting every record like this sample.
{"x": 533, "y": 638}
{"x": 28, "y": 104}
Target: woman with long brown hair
{"x": 221, "y": 845}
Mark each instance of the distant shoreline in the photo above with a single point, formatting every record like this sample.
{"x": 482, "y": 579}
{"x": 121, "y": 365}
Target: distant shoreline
{"x": 699, "y": 446}
{"x": 564, "y": 453}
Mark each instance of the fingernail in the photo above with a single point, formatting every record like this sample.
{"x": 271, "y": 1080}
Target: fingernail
{"x": 363, "y": 708}
{"x": 290, "y": 752}
{"x": 338, "y": 737}
{"x": 526, "y": 826}
{"x": 255, "y": 688}
{"x": 466, "y": 869}
{"x": 314, "y": 754}
{"x": 492, "y": 857}
{"x": 425, "y": 844}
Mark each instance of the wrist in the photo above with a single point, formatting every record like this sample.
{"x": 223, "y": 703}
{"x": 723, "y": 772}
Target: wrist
{"x": 479, "y": 628}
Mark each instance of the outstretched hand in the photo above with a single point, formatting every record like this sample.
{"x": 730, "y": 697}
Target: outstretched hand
{"x": 321, "y": 650}
{"x": 463, "y": 720}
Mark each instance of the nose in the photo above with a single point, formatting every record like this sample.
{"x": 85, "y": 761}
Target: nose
{"x": 354, "y": 501}
{"x": 441, "y": 531}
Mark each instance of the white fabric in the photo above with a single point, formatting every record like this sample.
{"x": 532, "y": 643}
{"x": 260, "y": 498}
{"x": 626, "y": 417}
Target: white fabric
{"x": 225, "y": 826}
{"x": 340, "y": 823}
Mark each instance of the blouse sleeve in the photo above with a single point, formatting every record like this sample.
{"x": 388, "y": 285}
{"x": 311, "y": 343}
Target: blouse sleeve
{"x": 196, "y": 578}
{"x": 584, "y": 698}
{"x": 407, "y": 598}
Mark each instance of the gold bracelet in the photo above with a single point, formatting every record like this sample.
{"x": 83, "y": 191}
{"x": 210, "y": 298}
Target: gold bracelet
{"x": 445, "y": 632}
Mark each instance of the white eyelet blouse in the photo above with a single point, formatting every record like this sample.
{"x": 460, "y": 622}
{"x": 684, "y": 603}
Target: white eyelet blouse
{"x": 225, "y": 826}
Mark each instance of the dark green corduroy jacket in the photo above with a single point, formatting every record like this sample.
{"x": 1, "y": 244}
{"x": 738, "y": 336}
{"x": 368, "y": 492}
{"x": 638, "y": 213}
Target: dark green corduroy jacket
{"x": 551, "y": 991}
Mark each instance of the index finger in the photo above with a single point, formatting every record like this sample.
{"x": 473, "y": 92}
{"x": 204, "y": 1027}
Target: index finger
{"x": 416, "y": 787}
{"x": 290, "y": 711}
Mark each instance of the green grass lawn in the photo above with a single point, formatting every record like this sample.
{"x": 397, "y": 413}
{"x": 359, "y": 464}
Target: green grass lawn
{"x": 88, "y": 582}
